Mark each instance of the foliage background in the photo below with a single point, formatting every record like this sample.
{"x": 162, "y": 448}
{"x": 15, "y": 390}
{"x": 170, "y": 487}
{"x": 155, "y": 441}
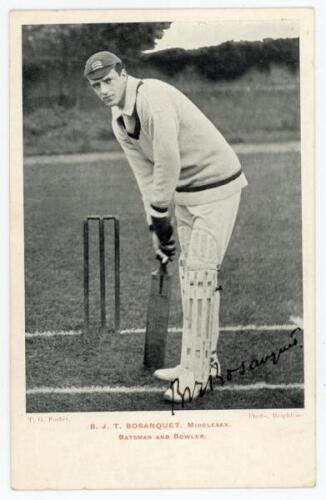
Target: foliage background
{"x": 250, "y": 90}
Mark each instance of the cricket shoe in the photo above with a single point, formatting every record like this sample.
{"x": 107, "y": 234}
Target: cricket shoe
{"x": 215, "y": 370}
{"x": 183, "y": 389}
{"x": 170, "y": 374}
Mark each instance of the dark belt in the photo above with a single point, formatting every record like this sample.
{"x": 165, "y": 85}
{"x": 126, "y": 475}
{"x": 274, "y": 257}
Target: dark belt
{"x": 193, "y": 189}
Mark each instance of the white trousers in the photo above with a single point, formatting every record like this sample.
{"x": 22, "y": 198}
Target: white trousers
{"x": 204, "y": 234}
{"x": 215, "y": 218}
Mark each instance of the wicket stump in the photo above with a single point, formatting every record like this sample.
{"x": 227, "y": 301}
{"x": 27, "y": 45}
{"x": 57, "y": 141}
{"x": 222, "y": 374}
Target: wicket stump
{"x": 102, "y": 266}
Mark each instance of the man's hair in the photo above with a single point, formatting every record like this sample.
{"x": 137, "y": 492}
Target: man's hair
{"x": 119, "y": 66}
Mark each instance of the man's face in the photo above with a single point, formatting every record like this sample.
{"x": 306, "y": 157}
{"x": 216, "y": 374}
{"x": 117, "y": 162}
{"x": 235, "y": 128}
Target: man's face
{"x": 111, "y": 88}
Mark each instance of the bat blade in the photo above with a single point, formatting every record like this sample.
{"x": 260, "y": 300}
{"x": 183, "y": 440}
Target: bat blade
{"x": 157, "y": 319}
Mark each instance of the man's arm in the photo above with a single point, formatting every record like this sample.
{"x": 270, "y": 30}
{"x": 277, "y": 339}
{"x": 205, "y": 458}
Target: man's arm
{"x": 163, "y": 127}
{"x": 141, "y": 167}
{"x": 161, "y": 123}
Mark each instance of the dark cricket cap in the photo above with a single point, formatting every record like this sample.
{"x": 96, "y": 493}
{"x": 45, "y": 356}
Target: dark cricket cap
{"x": 99, "y": 64}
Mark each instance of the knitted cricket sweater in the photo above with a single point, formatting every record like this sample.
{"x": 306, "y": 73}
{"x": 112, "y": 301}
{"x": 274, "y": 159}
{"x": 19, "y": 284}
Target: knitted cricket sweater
{"x": 174, "y": 151}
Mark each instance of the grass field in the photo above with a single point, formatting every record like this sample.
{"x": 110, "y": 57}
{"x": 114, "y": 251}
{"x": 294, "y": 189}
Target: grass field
{"x": 116, "y": 361}
{"x": 243, "y": 114}
{"x": 261, "y": 280}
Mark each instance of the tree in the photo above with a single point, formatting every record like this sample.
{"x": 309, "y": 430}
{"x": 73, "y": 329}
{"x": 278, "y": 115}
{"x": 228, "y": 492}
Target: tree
{"x": 170, "y": 61}
{"x": 52, "y": 53}
{"x": 67, "y": 45}
{"x": 229, "y": 60}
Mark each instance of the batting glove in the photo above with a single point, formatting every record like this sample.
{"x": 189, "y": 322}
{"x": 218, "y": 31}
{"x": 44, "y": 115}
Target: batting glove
{"x": 163, "y": 251}
{"x": 161, "y": 223}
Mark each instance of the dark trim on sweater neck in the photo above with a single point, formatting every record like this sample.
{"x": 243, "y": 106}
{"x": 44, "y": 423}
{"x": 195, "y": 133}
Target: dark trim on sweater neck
{"x": 136, "y": 133}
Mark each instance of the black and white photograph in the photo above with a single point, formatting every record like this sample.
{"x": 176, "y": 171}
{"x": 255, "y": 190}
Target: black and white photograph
{"x": 164, "y": 212}
{"x": 162, "y": 205}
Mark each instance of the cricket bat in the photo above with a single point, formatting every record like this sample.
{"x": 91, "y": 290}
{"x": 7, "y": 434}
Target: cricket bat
{"x": 157, "y": 318}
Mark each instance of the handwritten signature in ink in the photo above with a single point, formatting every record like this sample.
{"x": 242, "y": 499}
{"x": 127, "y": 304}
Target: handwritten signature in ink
{"x": 187, "y": 395}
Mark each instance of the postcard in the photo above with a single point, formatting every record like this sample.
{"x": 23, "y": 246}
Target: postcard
{"x": 162, "y": 248}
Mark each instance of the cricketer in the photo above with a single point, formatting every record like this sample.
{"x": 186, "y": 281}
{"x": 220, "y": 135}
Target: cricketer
{"x": 178, "y": 155}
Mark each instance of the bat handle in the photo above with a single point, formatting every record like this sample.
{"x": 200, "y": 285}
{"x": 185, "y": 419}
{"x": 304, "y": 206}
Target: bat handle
{"x": 163, "y": 267}
{"x": 163, "y": 260}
